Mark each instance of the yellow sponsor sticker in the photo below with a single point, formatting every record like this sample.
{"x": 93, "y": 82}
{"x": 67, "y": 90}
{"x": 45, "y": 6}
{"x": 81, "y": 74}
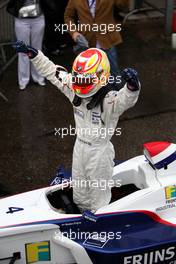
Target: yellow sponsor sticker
{"x": 38, "y": 251}
{"x": 170, "y": 192}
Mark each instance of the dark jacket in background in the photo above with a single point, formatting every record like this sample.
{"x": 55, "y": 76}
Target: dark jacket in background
{"x": 47, "y": 7}
{"x": 54, "y": 39}
{"x": 53, "y": 11}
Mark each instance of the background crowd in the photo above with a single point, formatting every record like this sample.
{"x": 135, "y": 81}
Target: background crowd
{"x": 37, "y": 21}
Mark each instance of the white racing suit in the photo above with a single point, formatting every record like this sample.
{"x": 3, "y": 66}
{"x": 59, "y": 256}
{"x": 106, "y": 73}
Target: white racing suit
{"x": 93, "y": 153}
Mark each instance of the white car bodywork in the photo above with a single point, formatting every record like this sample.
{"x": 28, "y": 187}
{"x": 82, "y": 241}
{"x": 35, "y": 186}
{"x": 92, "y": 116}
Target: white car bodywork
{"x": 29, "y": 221}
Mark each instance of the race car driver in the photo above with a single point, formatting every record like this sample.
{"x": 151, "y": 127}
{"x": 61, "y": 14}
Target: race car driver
{"x": 97, "y": 108}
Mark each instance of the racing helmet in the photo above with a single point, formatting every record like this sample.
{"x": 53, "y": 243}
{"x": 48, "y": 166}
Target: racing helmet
{"x": 90, "y": 72}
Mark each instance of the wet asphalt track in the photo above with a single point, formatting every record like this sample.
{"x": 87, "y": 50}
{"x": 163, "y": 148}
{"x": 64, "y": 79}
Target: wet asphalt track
{"x": 28, "y": 159}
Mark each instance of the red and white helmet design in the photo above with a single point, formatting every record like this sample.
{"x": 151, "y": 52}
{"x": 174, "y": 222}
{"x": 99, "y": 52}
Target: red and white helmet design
{"x": 90, "y": 69}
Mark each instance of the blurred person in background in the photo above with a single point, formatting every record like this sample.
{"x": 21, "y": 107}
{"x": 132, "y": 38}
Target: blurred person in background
{"x": 54, "y": 40}
{"x": 29, "y": 27}
{"x": 99, "y": 12}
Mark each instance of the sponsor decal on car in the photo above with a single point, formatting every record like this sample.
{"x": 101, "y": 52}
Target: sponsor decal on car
{"x": 165, "y": 207}
{"x": 96, "y": 240}
{"x": 170, "y": 192}
{"x": 37, "y": 251}
{"x": 170, "y": 195}
{"x": 162, "y": 255}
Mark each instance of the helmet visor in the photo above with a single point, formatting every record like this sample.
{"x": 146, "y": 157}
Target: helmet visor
{"x": 83, "y": 84}
{"x": 83, "y": 80}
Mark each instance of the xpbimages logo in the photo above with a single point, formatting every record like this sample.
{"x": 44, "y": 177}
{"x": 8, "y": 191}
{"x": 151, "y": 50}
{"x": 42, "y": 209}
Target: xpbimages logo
{"x": 82, "y": 27}
{"x": 101, "y": 132}
{"x": 102, "y": 237}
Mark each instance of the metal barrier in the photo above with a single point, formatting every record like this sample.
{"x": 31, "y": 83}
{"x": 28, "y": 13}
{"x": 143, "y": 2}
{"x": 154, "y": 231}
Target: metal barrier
{"x": 137, "y": 6}
{"x": 7, "y": 54}
{"x": 169, "y": 9}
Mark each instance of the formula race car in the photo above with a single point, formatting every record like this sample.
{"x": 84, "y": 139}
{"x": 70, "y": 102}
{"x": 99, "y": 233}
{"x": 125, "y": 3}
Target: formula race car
{"x": 137, "y": 227}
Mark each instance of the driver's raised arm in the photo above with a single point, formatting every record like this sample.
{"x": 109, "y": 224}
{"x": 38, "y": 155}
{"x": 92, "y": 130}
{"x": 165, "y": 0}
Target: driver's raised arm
{"x": 57, "y": 75}
{"x": 116, "y": 102}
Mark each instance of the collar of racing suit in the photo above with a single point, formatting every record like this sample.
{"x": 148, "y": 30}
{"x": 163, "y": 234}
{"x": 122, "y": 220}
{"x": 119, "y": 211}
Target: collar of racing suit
{"x": 96, "y": 99}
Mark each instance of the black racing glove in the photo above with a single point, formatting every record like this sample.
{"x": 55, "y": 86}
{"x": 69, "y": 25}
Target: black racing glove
{"x": 20, "y": 46}
{"x": 131, "y": 77}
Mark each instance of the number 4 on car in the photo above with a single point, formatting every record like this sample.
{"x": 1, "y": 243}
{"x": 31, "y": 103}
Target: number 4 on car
{"x": 14, "y": 210}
